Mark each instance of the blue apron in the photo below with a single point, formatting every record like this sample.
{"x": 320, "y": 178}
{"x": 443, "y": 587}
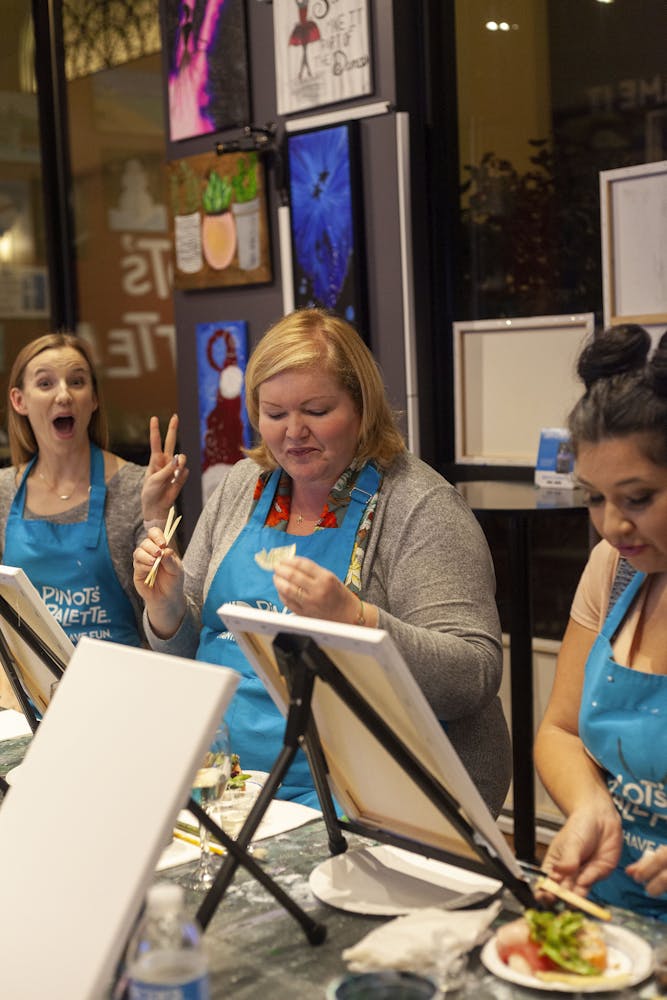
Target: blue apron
{"x": 257, "y": 727}
{"x": 623, "y": 724}
{"x": 70, "y": 565}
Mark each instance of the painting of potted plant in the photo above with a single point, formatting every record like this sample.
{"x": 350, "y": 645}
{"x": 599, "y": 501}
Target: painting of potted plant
{"x": 218, "y": 229}
{"x": 223, "y": 239}
{"x": 246, "y": 212}
{"x": 185, "y": 203}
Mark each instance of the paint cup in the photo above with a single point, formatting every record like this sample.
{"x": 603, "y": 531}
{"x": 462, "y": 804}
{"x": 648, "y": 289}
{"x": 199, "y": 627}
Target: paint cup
{"x": 386, "y": 984}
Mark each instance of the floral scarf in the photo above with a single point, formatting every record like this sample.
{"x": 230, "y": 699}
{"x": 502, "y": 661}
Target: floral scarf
{"x": 333, "y": 513}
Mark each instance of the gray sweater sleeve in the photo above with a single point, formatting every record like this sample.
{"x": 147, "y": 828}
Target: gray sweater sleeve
{"x": 429, "y": 571}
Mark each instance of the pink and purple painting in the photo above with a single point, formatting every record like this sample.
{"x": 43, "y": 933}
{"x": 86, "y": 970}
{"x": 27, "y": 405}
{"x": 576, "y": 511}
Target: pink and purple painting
{"x": 208, "y": 82}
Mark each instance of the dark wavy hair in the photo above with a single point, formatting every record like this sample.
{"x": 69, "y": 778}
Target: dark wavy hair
{"x": 626, "y": 390}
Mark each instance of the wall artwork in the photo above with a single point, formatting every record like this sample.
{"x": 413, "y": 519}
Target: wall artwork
{"x": 633, "y": 213}
{"x": 209, "y": 88}
{"x": 219, "y": 220}
{"x": 224, "y": 428}
{"x": 327, "y": 234}
{"x": 322, "y": 52}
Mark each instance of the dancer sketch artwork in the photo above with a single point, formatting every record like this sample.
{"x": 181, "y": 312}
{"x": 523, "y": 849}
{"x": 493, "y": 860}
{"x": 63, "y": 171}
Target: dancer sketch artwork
{"x": 208, "y": 71}
{"x": 322, "y": 52}
{"x": 224, "y": 427}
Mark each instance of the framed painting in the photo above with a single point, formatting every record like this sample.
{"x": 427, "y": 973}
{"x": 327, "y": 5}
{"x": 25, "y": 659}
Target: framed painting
{"x": 328, "y": 257}
{"x": 219, "y": 220}
{"x": 208, "y": 79}
{"x": 633, "y": 208}
{"x": 512, "y": 378}
{"x": 224, "y": 427}
{"x": 322, "y": 52}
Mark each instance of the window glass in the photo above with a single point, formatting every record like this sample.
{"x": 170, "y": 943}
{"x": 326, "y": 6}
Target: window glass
{"x": 117, "y": 151}
{"x": 24, "y": 285}
{"x": 550, "y": 92}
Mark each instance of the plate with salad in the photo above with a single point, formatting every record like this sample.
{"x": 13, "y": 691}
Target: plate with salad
{"x": 566, "y": 952}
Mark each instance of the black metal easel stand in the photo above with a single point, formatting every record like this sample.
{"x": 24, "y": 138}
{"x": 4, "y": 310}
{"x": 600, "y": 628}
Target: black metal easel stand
{"x": 301, "y": 661}
{"x": 50, "y": 660}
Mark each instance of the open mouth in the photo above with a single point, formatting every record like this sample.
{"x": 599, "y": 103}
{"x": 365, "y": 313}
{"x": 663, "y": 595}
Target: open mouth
{"x": 64, "y": 425}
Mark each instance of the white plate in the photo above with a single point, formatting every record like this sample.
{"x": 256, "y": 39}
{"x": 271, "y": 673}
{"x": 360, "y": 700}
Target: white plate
{"x": 12, "y": 774}
{"x": 626, "y": 953}
{"x": 389, "y": 881}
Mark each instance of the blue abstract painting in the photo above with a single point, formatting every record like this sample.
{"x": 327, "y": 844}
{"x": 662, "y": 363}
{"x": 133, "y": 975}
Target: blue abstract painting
{"x": 327, "y": 233}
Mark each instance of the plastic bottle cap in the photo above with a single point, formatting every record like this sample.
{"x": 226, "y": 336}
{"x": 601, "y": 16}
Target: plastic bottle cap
{"x": 164, "y": 896}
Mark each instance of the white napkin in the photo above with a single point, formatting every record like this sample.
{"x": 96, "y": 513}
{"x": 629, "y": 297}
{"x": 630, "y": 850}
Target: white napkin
{"x": 411, "y": 942}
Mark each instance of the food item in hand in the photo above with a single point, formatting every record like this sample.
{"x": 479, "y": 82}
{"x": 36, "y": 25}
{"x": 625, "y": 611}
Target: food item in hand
{"x": 545, "y": 942}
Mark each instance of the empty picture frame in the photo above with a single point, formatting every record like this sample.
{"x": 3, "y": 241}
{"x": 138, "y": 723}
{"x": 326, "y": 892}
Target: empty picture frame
{"x": 328, "y": 255}
{"x": 512, "y": 377}
{"x": 633, "y": 209}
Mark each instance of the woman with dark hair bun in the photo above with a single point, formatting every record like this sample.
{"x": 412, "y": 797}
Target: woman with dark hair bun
{"x": 601, "y": 749}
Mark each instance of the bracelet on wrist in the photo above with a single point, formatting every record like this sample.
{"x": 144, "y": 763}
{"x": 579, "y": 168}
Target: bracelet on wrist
{"x": 361, "y": 617}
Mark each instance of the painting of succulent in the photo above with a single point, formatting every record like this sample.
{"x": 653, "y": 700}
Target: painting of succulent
{"x": 219, "y": 220}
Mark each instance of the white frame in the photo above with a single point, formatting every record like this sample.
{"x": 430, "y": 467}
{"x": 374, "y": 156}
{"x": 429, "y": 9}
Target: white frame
{"x": 503, "y": 400}
{"x": 377, "y": 792}
{"x": 633, "y": 209}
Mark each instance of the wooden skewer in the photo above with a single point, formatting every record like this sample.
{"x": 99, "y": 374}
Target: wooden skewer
{"x": 169, "y": 529}
{"x": 549, "y": 885}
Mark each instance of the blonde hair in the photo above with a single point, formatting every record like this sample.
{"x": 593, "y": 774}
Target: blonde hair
{"x": 318, "y": 339}
{"x": 22, "y": 442}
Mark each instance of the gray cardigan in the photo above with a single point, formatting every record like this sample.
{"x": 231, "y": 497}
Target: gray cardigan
{"x": 428, "y": 569}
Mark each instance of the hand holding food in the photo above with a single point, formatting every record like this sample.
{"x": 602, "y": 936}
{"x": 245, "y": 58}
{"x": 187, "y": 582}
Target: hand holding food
{"x": 586, "y": 849}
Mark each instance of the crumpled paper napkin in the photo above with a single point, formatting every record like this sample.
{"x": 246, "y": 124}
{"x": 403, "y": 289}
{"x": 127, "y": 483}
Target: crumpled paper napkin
{"x": 411, "y": 942}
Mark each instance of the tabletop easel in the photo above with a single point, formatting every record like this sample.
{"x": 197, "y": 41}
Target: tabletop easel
{"x": 301, "y": 661}
{"x": 54, "y": 664}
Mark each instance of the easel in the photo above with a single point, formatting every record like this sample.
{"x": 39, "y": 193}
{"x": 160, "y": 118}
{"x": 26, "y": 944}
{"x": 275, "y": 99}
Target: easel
{"x": 301, "y": 661}
{"x": 51, "y": 660}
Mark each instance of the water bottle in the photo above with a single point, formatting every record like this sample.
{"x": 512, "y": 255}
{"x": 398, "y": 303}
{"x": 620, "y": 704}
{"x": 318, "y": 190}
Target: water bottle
{"x": 166, "y": 958}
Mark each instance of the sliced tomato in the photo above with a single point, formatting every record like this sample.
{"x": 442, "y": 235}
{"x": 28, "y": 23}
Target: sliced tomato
{"x": 527, "y": 956}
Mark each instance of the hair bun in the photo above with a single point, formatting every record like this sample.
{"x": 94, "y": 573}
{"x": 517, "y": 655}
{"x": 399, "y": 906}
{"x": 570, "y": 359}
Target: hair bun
{"x": 658, "y": 367}
{"x": 615, "y": 351}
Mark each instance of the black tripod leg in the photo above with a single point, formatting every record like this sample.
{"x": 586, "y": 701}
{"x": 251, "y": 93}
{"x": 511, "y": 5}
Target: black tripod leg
{"x": 237, "y": 854}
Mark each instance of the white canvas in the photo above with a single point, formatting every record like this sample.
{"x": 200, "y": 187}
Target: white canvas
{"x": 83, "y": 827}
